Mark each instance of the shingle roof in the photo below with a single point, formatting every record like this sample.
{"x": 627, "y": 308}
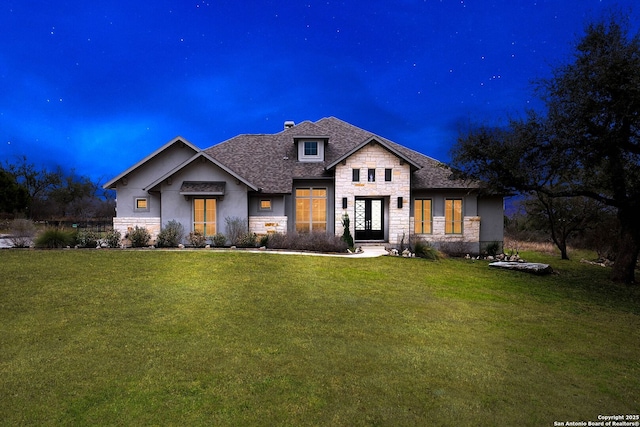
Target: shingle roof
{"x": 270, "y": 160}
{"x": 202, "y": 187}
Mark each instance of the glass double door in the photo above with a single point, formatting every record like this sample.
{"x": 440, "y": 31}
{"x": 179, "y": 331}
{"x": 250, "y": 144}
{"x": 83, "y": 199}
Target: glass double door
{"x": 369, "y": 219}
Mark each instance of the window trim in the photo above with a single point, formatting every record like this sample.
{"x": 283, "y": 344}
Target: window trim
{"x": 355, "y": 175}
{"x": 205, "y": 222}
{"x": 371, "y": 175}
{"x": 313, "y": 148}
{"x": 452, "y": 222}
{"x": 263, "y": 208}
{"x": 136, "y": 206}
{"x": 388, "y": 174}
{"x": 423, "y": 220}
{"x": 309, "y": 221}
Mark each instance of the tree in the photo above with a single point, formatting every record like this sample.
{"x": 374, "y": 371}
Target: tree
{"x": 588, "y": 142}
{"x": 13, "y": 196}
{"x": 562, "y": 217}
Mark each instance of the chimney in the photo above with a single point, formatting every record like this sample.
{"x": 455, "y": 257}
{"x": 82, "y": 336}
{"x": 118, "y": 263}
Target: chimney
{"x": 289, "y": 124}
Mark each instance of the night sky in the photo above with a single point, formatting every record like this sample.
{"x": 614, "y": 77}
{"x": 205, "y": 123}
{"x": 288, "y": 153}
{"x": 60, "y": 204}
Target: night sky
{"x": 98, "y": 85}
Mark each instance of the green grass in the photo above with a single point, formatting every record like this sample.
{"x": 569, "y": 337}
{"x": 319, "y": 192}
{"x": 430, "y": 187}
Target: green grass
{"x": 114, "y": 337}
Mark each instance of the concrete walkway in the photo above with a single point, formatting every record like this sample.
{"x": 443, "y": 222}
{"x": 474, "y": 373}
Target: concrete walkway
{"x": 372, "y": 251}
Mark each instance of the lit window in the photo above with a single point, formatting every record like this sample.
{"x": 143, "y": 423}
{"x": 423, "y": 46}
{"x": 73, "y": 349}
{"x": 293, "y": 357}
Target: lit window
{"x": 204, "y": 216}
{"x": 311, "y": 209}
{"x": 142, "y": 204}
{"x": 265, "y": 204}
{"x": 422, "y": 216}
{"x": 310, "y": 148}
{"x": 453, "y": 216}
{"x": 355, "y": 175}
{"x": 387, "y": 174}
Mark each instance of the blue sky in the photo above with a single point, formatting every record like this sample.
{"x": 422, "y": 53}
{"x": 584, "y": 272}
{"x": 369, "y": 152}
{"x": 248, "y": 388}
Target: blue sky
{"x": 98, "y": 85}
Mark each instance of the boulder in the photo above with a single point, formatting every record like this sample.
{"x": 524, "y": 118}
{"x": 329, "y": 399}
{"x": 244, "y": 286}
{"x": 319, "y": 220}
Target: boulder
{"x": 528, "y": 267}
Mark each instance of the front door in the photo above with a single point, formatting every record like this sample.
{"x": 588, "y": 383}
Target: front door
{"x": 369, "y": 219}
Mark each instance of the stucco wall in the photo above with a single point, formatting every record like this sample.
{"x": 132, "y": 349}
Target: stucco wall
{"x": 176, "y": 206}
{"x": 131, "y": 186}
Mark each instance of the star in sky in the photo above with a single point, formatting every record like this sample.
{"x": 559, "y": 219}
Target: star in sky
{"x": 98, "y": 86}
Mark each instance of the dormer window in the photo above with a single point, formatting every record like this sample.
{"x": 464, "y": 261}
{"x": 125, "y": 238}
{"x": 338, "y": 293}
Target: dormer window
{"x": 310, "y": 150}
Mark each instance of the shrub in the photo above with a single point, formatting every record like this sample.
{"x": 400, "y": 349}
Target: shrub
{"x": 139, "y": 237}
{"x": 237, "y": 228}
{"x": 112, "y": 238}
{"x": 219, "y": 239}
{"x": 248, "y": 240}
{"x": 22, "y": 232}
{"x": 171, "y": 235}
{"x": 197, "y": 239}
{"x": 454, "y": 249}
{"x": 424, "y": 249}
{"x": 346, "y": 233}
{"x": 53, "y": 238}
{"x": 493, "y": 248}
{"x": 317, "y": 241}
{"x": 87, "y": 239}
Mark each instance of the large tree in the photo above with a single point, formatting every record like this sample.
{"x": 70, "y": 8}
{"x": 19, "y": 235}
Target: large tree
{"x": 14, "y": 197}
{"x": 586, "y": 144}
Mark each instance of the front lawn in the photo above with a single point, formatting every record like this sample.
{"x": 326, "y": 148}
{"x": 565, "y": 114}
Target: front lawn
{"x": 125, "y": 337}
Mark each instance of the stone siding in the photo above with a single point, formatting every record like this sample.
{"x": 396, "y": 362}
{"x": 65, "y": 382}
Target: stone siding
{"x": 469, "y": 240}
{"x": 374, "y": 156}
{"x": 263, "y": 225}
{"x": 126, "y": 224}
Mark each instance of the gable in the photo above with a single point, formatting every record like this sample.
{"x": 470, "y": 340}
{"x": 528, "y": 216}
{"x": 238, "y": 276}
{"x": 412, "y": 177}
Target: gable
{"x": 157, "y": 163}
{"x": 200, "y": 157}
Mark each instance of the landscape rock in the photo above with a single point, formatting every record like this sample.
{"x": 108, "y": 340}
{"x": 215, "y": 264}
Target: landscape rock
{"x": 528, "y": 267}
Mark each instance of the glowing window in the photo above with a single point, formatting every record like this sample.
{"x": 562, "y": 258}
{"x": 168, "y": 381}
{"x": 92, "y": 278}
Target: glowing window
{"x": 422, "y": 216}
{"x": 311, "y": 209}
{"x": 265, "y": 204}
{"x": 204, "y": 216}
{"x": 142, "y": 204}
{"x": 453, "y": 216}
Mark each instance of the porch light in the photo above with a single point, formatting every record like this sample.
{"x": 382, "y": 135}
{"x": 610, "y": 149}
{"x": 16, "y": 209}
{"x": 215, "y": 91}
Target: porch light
{"x": 400, "y": 202}
{"x": 344, "y": 203}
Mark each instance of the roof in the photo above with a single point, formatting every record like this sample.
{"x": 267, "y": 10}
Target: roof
{"x": 201, "y": 188}
{"x": 269, "y": 161}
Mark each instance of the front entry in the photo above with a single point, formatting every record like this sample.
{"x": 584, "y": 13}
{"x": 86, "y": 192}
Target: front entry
{"x": 369, "y": 224}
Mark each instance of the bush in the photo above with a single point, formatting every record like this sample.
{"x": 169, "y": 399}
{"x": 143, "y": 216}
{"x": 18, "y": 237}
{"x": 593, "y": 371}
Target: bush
{"x": 248, "y": 240}
{"x": 139, "y": 237}
{"x": 237, "y": 228}
{"x": 197, "y": 239}
{"x": 317, "y": 241}
{"x": 87, "y": 239}
{"x": 53, "y": 238}
{"x": 171, "y": 235}
{"x": 112, "y": 238}
{"x": 22, "y": 232}
{"x": 346, "y": 233}
{"x": 493, "y": 248}
{"x": 454, "y": 249}
{"x": 424, "y": 249}
{"x": 219, "y": 239}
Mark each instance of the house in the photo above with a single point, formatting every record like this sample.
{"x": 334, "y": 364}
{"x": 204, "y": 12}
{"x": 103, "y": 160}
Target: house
{"x": 306, "y": 178}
